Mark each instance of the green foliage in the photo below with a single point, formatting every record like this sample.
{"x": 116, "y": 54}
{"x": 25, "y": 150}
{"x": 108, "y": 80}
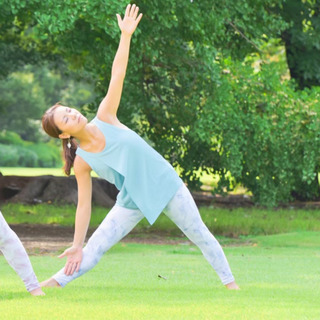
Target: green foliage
{"x": 302, "y": 40}
{"x": 259, "y": 132}
{"x": 49, "y": 155}
{"x": 16, "y": 156}
{"x": 18, "y": 44}
{"x": 15, "y": 152}
{"x": 9, "y": 137}
{"x": 21, "y": 105}
{"x": 9, "y": 156}
{"x": 28, "y": 93}
{"x": 201, "y": 84}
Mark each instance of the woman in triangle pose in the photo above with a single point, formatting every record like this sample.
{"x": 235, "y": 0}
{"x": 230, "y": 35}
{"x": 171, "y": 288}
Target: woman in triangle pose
{"x": 147, "y": 183}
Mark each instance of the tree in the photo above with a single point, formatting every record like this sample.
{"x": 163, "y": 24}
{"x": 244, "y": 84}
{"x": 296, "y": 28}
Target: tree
{"x": 302, "y": 41}
{"x": 191, "y": 88}
{"x": 21, "y": 104}
{"x": 25, "y": 96}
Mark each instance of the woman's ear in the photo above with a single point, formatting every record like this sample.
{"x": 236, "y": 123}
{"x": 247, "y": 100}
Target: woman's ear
{"x": 64, "y": 135}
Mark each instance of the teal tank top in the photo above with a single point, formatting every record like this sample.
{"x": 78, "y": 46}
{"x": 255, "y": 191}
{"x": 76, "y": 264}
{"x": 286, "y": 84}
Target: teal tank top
{"x": 145, "y": 180}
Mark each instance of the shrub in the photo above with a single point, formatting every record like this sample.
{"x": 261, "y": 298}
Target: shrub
{"x": 10, "y": 138}
{"x": 16, "y": 152}
{"x": 259, "y": 132}
{"x": 48, "y": 154}
{"x": 9, "y": 156}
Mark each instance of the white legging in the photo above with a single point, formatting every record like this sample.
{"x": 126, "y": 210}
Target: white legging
{"x": 182, "y": 210}
{"x": 16, "y": 255}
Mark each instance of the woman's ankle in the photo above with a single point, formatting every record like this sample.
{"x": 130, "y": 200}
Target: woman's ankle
{"x": 232, "y": 286}
{"x": 50, "y": 283}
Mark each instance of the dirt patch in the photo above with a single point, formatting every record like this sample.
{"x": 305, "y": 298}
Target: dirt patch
{"x": 53, "y": 239}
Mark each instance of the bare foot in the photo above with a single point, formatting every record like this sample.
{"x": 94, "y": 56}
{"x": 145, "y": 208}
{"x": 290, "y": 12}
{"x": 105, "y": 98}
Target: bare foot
{"x": 232, "y": 286}
{"x": 37, "y": 292}
{"x": 50, "y": 283}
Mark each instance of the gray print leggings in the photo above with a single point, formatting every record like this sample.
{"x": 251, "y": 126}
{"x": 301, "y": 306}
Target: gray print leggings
{"x": 182, "y": 210}
{"x": 16, "y": 255}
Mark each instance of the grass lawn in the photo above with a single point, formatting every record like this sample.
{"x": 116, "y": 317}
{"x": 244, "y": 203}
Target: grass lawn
{"x": 30, "y": 172}
{"x": 274, "y": 255}
{"x": 33, "y": 172}
{"x": 278, "y": 275}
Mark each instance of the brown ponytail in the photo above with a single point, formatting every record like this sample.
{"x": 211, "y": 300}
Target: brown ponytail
{"x": 69, "y": 153}
{"x": 52, "y": 130}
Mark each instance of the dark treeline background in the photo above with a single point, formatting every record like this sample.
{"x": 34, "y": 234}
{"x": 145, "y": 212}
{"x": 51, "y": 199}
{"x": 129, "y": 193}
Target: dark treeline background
{"x": 227, "y": 87}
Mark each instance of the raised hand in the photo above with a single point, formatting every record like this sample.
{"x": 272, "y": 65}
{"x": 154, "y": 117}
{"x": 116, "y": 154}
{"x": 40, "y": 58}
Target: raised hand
{"x": 130, "y": 20}
{"x": 74, "y": 258}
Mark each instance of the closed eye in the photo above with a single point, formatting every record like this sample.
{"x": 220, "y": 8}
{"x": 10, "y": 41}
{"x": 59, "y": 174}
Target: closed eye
{"x": 68, "y": 110}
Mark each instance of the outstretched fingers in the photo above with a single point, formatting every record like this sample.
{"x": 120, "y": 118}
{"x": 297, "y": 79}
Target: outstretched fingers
{"x": 130, "y": 20}
{"x": 132, "y": 12}
{"x": 139, "y": 18}
{"x": 127, "y": 10}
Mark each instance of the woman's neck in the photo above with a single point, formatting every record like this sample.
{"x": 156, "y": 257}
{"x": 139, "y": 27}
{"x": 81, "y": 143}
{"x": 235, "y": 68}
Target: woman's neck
{"x": 91, "y": 139}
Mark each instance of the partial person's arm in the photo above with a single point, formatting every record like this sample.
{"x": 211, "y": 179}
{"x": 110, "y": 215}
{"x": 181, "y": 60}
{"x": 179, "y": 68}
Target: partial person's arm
{"x": 109, "y": 106}
{"x": 83, "y": 215}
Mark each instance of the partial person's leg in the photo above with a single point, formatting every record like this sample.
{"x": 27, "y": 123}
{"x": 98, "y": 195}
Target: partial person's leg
{"x": 17, "y": 257}
{"x": 183, "y": 211}
{"x": 117, "y": 224}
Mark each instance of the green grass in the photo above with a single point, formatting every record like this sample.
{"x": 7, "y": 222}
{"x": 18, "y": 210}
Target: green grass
{"x": 225, "y": 222}
{"x": 30, "y": 172}
{"x": 275, "y": 259}
{"x": 279, "y": 279}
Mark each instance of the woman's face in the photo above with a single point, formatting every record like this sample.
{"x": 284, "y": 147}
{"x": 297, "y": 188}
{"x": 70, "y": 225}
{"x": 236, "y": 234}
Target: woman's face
{"x": 69, "y": 120}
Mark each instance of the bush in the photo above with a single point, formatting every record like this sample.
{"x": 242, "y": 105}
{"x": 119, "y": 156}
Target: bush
{"x": 48, "y": 155}
{"x": 16, "y": 152}
{"x": 17, "y": 156}
{"x": 9, "y": 156}
{"x": 11, "y": 138}
{"x": 27, "y": 158}
{"x": 259, "y": 132}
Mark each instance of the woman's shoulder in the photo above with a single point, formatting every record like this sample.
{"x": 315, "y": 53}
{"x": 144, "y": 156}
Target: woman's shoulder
{"x": 80, "y": 166}
{"x": 109, "y": 121}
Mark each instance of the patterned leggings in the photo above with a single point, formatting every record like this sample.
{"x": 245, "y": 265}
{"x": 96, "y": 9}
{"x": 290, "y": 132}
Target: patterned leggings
{"x": 16, "y": 255}
{"x": 182, "y": 210}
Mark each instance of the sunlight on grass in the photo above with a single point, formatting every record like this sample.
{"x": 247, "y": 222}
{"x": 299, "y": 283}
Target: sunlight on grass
{"x": 29, "y": 172}
{"x": 277, "y": 282}
{"x": 32, "y": 172}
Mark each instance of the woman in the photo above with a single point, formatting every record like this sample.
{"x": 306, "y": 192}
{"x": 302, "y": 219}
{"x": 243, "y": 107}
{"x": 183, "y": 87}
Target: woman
{"x": 147, "y": 183}
{"x": 17, "y": 257}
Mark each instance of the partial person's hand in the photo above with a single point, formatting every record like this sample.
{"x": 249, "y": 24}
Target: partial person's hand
{"x": 130, "y": 20}
{"x": 74, "y": 258}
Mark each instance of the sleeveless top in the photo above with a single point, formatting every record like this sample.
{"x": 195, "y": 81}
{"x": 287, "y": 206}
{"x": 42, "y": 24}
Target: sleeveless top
{"x": 145, "y": 180}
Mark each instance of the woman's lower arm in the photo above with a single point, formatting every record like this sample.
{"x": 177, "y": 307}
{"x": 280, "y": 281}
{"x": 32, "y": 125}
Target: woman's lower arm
{"x": 120, "y": 62}
{"x": 81, "y": 226}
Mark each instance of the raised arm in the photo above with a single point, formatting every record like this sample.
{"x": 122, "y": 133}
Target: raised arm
{"x": 83, "y": 215}
{"x": 109, "y": 105}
